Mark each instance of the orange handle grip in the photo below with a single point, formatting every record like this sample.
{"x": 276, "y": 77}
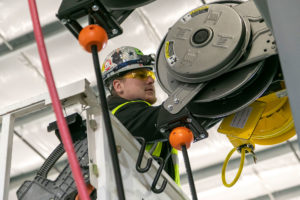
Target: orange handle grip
{"x": 181, "y": 136}
{"x": 93, "y": 35}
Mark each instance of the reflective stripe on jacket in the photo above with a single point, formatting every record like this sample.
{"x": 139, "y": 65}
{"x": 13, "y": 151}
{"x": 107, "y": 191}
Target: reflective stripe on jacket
{"x": 155, "y": 148}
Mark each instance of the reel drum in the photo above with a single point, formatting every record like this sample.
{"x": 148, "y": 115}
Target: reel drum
{"x": 192, "y": 44}
{"x": 214, "y": 61}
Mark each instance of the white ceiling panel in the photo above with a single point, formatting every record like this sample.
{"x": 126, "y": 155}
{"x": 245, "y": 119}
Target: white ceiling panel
{"x": 24, "y": 159}
{"x": 18, "y": 80}
{"x": 15, "y": 16}
{"x": 36, "y": 134}
{"x": 250, "y": 184}
{"x": 163, "y": 14}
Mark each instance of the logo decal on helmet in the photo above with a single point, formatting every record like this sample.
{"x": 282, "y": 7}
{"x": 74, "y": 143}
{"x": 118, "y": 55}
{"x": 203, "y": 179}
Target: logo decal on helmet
{"x": 117, "y": 56}
{"x": 138, "y": 52}
{"x": 106, "y": 65}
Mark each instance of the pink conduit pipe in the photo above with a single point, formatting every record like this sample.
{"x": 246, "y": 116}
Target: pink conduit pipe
{"x": 62, "y": 125}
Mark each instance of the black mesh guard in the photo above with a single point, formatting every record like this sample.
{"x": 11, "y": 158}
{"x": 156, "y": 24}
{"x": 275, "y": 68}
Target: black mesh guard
{"x": 63, "y": 187}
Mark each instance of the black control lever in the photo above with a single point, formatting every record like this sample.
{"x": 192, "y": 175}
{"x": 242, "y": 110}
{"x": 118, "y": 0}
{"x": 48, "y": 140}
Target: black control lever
{"x": 167, "y": 123}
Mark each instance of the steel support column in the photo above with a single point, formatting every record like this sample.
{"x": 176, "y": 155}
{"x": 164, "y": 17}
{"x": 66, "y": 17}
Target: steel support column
{"x": 285, "y": 17}
{"x": 6, "y": 142}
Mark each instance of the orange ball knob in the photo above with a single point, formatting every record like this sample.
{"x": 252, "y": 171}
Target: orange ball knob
{"x": 93, "y": 35}
{"x": 181, "y": 136}
{"x": 90, "y": 189}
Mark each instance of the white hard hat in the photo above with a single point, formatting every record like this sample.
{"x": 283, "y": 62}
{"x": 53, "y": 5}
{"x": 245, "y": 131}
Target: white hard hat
{"x": 124, "y": 59}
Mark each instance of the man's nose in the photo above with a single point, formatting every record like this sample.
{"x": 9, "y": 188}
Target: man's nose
{"x": 150, "y": 80}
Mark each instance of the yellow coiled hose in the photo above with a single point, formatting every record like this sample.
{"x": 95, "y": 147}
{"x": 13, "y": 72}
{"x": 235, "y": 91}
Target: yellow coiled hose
{"x": 243, "y": 152}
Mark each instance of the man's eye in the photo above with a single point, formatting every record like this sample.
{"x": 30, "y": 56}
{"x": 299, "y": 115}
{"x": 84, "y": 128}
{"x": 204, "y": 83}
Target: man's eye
{"x": 142, "y": 75}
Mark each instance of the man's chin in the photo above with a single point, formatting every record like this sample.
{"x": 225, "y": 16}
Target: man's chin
{"x": 151, "y": 100}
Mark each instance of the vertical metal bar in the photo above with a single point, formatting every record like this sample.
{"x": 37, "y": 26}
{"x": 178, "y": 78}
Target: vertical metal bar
{"x": 71, "y": 29}
{"x": 73, "y": 26}
{"x": 6, "y": 142}
{"x": 107, "y": 124}
{"x": 99, "y": 154}
{"x": 189, "y": 172}
{"x": 286, "y": 29}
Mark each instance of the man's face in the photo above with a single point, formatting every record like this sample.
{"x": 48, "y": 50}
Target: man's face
{"x": 136, "y": 88}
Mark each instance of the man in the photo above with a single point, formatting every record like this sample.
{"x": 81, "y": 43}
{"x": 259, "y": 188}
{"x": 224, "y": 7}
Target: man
{"x": 131, "y": 84}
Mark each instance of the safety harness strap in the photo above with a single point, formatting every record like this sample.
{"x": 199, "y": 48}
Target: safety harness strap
{"x": 174, "y": 153}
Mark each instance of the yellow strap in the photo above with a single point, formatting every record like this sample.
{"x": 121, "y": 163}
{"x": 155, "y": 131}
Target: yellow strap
{"x": 177, "y": 176}
{"x": 174, "y": 153}
{"x": 123, "y": 104}
{"x": 157, "y": 150}
{"x": 240, "y": 168}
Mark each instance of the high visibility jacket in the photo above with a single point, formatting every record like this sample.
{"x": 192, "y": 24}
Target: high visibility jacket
{"x": 155, "y": 149}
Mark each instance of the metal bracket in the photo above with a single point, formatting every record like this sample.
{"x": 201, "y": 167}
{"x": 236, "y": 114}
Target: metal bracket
{"x": 182, "y": 96}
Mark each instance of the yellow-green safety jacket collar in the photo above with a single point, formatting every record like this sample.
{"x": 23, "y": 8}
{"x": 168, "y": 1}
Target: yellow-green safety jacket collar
{"x": 155, "y": 149}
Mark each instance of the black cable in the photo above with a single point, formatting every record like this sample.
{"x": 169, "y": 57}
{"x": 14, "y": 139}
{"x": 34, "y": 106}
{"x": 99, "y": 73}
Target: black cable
{"x": 51, "y": 160}
{"x": 107, "y": 124}
{"x": 189, "y": 172}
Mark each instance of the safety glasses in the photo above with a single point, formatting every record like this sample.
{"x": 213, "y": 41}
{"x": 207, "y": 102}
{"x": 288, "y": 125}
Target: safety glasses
{"x": 141, "y": 74}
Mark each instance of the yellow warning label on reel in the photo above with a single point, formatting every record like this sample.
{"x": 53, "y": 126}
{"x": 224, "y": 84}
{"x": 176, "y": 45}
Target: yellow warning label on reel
{"x": 198, "y": 11}
{"x": 167, "y": 54}
{"x": 170, "y": 53}
{"x": 242, "y": 123}
{"x": 194, "y": 13}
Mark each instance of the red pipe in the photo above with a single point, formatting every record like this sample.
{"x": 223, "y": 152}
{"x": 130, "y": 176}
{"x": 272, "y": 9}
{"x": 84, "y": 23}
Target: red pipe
{"x": 62, "y": 125}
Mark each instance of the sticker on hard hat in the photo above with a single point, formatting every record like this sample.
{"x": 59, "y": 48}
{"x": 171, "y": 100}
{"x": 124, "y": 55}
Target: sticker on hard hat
{"x": 194, "y": 13}
{"x": 138, "y": 52}
{"x": 106, "y": 66}
{"x": 170, "y": 53}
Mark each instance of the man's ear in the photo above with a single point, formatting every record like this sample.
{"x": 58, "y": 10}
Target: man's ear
{"x": 118, "y": 86}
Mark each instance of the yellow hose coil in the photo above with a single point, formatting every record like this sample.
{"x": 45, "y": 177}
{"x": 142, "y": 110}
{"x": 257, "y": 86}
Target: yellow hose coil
{"x": 243, "y": 152}
{"x": 272, "y": 125}
{"x": 276, "y": 124}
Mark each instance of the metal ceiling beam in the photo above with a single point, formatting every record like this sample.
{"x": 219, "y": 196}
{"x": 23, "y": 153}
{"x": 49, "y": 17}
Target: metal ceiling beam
{"x": 234, "y": 163}
{"x": 288, "y": 193}
{"x": 28, "y": 38}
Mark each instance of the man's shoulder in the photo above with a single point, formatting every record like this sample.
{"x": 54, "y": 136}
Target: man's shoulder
{"x": 114, "y": 101}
